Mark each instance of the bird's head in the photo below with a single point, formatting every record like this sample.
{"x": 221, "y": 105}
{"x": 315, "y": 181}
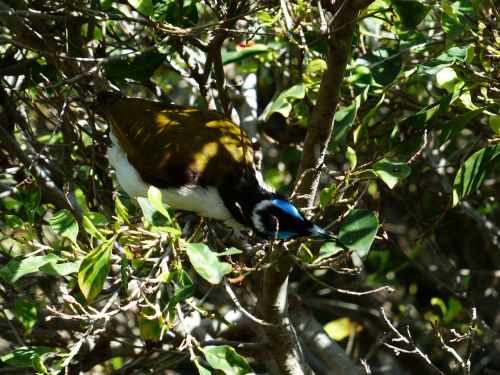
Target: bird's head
{"x": 277, "y": 214}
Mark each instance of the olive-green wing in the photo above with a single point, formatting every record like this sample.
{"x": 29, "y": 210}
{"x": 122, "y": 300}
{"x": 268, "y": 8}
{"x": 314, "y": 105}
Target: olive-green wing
{"x": 174, "y": 146}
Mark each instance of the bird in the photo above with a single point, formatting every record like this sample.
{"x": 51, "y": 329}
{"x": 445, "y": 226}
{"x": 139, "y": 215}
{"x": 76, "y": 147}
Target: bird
{"x": 201, "y": 162}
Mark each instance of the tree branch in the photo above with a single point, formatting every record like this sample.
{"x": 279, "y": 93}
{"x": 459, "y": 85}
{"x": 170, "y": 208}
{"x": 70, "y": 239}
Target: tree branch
{"x": 321, "y": 122}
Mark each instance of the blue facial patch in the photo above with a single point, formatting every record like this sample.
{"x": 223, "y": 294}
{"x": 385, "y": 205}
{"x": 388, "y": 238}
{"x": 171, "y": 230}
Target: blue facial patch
{"x": 288, "y": 208}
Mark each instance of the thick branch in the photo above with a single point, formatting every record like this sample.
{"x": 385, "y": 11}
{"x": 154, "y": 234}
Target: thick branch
{"x": 286, "y": 352}
{"x": 321, "y": 122}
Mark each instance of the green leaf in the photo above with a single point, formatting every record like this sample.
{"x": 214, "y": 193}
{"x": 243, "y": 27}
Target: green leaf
{"x": 65, "y": 225}
{"x": 351, "y": 157}
{"x": 155, "y": 198}
{"x": 19, "y": 266}
{"x": 316, "y": 67}
{"x": 156, "y": 218}
{"x": 206, "y": 263}
{"x": 282, "y": 104}
{"x": 25, "y": 312}
{"x": 142, "y": 6}
{"x": 473, "y": 172}
{"x": 94, "y": 270}
{"x": 338, "y": 329}
{"x": 344, "y": 118}
{"x": 150, "y": 326}
{"x": 24, "y": 355}
{"x": 61, "y": 269}
{"x": 326, "y": 195}
{"x": 225, "y": 358}
{"x": 453, "y": 127}
{"x": 244, "y": 53}
{"x": 357, "y": 231}
{"x": 391, "y": 172}
{"x": 121, "y": 210}
{"x": 494, "y": 122}
{"x": 184, "y": 289}
{"x": 13, "y": 221}
{"x": 92, "y": 230}
{"x": 38, "y": 366}
{"x": 96, "y": 218}
{"x": 327, "y": 250}
{"x": 410, "y": 12}
{"x": 139, "y": 68}
{"x": 202, "y": 370}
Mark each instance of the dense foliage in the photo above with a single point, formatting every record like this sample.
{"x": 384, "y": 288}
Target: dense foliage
{"x": 407, "y": 174}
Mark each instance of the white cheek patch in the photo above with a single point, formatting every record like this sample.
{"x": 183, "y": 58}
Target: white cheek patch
{"x": 256, "y": 219}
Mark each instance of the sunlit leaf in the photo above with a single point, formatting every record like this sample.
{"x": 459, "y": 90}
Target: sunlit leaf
{"x": 65, "y": 225}
{"x": 338, "y": 329}
{"x": 94, "y": 270}
{"x": 150, "y": 325}
{"x": 473, "y": 172}
{"x": 328, "y": 249}
{"x": 391, "y": 172}
{"x": 23, "y": 356}
{"x": 19, "y": 266}
{"x": 142, "y": 6}
{"x": 326, "y": 195}
{"x": 358, "y": 229}
{"x": 206, "y": 263}
{"x": 283, "y": 103}
{"x": 13, "y": 221}
{"x": 225, "y": 358}
{"x": 494, "y": 122}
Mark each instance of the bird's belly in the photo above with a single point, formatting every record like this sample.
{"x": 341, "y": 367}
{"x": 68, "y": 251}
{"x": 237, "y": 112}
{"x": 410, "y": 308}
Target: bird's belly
{"x": 205, "y": 201}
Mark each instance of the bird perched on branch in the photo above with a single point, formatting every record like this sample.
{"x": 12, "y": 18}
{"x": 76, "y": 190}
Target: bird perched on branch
{"x": 201, "y": 162}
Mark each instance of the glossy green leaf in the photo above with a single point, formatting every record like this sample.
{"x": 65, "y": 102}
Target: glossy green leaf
{"x": 358, "y": 229}
{"x": 155, "y": 198}
{"x": 327, "y": 250}
{"x": 156, "y": 218}
{"x": 90, "y": 228}
{"x": 326, "y": 195}
{"x": 202, "y": 370}
{"x": 20, "y": 266}
{"x": 142, "y": 6}
{"x": 121, "y": 210}
{"x": 94, "y": 270}
{"x": 206, "y": 263}
{"x": 38, "y": 366}
{"x": 283, "y": 103}
{"x": 410, "y": 12}
{"x": 244, "y": 53}
{"x": 391, "y": 172}
{"x": 473, "y": 172}
{"x": 225, "y": 358}
{"x": 23, "y": 356}
{"x": 150, "y": 325}
{"x": 338, "y": 329}
{"x": 351, "y": 157}
{"x": 494, "y": 122}
{"x": 13, "y": 221}
{"x": 139, "y": 68}
{"x": 184, "y": 288}
{"x": 454, "y": 126}
{"x": 96, "y": 218}
{"x": 61, "y": 269}
{"x": 64, "y": 224}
